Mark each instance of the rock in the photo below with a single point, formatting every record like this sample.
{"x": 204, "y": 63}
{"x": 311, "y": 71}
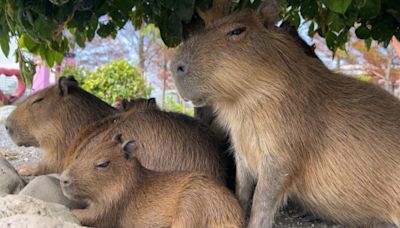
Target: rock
{"x": 11, "y": 205}
{"x": 10, "y": 180}
{"x": 35, "y": 221}
{"x": 5, "y": 111}
{"x": 47, "y": 188}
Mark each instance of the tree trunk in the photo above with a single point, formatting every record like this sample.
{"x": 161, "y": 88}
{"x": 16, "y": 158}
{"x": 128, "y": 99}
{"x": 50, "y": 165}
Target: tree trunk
{"x": 165, "y": 74}
{"x": 141, "y": 53}
{"x": 388, "y": 82}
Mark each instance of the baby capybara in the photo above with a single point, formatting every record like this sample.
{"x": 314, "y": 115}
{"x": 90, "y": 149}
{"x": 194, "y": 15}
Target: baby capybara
{"x": 51, "y": 118}
{"x": 173, "y": 141}
{"x": 120, "y": 192}
{"x": 299, "y": 131}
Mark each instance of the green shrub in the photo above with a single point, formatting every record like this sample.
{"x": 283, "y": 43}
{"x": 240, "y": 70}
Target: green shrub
{"x": 173, "y": 106}
{"x": 112, "y": 81}
{"x": 79, "y": 73}
{"x": 364, "y": 77}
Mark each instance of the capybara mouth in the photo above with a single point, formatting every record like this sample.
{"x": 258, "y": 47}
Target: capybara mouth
{"x": 69, "y": 192}
{"x": 198, "y": 103}
{"x": 27, "y": 144}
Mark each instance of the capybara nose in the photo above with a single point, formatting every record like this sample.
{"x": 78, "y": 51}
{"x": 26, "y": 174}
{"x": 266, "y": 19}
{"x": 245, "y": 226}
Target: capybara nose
{"x": 65, "y": 182}
{"x": 8, "y": 126}
{"x": 181, "y": 69}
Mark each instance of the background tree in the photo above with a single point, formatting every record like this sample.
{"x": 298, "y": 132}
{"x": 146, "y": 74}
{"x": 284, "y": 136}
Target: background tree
{"x": 39, "y": 25}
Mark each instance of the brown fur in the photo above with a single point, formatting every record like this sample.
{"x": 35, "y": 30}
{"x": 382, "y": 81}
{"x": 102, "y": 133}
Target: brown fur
{"x": 51, "y": 118}
{"x": 173, "y": 141}
{"x": 125, "y": 194}
{"x": 328, "y": 141}
{"x": 138, "y": 104}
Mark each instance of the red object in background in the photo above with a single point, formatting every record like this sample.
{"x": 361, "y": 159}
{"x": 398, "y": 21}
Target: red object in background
{"x": 19, "y": 91}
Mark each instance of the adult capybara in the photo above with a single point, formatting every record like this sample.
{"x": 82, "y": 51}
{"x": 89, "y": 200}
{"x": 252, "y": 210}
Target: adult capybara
{"x": 51, "y": 118}
{"x": 173, "y": 141}
{"x": 120, "y": 192}
{"x": 299, "y": 131}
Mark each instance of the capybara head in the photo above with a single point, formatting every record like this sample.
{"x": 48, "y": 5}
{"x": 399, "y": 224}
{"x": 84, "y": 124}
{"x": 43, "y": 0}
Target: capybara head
{"x": 53, "y": 113}
{"x": 218, "y": 62}
{"x": 139, "y": 104}
{"x": 101, "y": 176}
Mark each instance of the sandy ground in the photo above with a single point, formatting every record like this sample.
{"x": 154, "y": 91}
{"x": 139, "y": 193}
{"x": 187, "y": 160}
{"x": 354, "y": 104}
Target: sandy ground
{"x": 14, "y": 154}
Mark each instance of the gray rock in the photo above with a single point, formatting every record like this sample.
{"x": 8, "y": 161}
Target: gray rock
{"x": 47, "y": 188}
{"x": 35, "y": 221}
{"x": 10, "y": 180}
{"x": 5, "y": 111}
{"x": 11, "y": 205}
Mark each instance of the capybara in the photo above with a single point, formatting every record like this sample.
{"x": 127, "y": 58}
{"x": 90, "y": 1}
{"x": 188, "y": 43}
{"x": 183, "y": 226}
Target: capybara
{"x": 173, "y": 141}
{"x": 120, "y": 192}
{"x": 51, "y": 118}
{"x": 299, "y": 131}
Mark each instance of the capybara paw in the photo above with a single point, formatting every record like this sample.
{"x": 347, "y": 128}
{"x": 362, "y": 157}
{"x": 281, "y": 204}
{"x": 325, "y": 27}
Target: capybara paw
{"x": 27, "y": 170}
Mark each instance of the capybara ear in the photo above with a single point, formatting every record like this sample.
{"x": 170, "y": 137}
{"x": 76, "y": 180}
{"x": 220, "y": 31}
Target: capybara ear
{"x": 71, "y": 78}
{"x": 65, "y": 84}
{"x": 118, "y": 138}
{"x": 124, "y": 104}
{"x": 152, "y": 101}
{"x": 129, "y": 148}
{"x": 268, "y": 12}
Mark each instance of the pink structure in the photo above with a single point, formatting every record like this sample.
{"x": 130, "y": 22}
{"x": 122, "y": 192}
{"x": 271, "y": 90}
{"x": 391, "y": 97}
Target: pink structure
{"x": 41, "y": 77}
{"x": 19, "y": 91}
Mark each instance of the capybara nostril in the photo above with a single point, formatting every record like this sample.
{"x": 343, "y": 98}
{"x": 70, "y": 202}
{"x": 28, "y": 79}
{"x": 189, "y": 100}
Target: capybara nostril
{"x": 8, "y": 127}
{"x": 65, "y": 182}
{"x": 181, "y": 69}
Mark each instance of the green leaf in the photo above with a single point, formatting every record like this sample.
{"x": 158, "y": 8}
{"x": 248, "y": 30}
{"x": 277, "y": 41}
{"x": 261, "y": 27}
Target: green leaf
{"x": 5, "y": 40}
{"x": 80, "y": 39}
{"x": 106, "y": 29}
{"x": 185, "y": 10}
{"x": 170, "y": 4}
{"x": 49, "y": 57}
{"x": 309, "y": 9}
{"x": 171, "y": 31}
{"x": 295, "y": 19}
{"x": 359, "y": 3}
{"x": 368, "y": 43}
{"x": 311, "y": 30}
{"x": 371, "y": 9}
{"x": 338, "y": 6}
{"x": 363, "y": 32}
{"x": 383, "y": 29}
{"x": 44, "y": 27}
{"x": 331, "y": 41}
{"x": 28, "y": 42}
{"x": 335, "y": 21}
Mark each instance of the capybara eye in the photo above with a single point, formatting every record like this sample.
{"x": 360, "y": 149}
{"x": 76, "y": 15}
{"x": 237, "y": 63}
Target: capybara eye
{"x": 38, "y": 100}
{"x": 237, "y": 31}
{"x": 103, "y": 165}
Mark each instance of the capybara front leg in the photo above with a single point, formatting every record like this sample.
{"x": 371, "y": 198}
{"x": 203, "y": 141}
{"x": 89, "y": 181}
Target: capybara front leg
{"x": 244, "y": 185}
{"x": 268, "y": 196}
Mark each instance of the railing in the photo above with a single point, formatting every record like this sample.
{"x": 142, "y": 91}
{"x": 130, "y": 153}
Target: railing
{"x": 19, "y": 91}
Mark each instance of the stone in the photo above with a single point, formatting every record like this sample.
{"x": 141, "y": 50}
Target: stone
{"x": 5, "y": 111}
{"x": 35, "y": 221}
{"x": 11, "y": 205}
{"x": 10, "y": 181}
{"x": 48, "y": 189}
